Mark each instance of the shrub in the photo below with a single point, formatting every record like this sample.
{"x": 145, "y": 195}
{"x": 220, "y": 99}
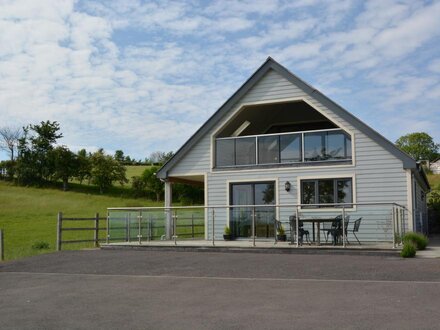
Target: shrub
{"x": 41, "y": 245}
{"x": 419, "y": 240}
{"x": 227, "y": 231}
{"x": 409, "y": 250}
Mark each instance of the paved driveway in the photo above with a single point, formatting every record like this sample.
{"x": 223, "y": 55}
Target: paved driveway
{"x": 180, "y": 290}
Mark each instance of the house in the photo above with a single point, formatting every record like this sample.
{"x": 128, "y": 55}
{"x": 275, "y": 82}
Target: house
{"x": 435, "y": 166}
{"x": 279, "y": 141}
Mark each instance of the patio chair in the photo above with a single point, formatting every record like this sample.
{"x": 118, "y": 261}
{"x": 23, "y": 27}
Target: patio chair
{"x": 301, "y": 231}
{"x": 356, "y": 226}
{"x": 326, "y": 227}
{"x": 336, "y": 229}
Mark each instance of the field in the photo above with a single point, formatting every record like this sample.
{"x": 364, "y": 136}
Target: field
{"x": 434, "y": 181}
{"x": 28, "y": 215}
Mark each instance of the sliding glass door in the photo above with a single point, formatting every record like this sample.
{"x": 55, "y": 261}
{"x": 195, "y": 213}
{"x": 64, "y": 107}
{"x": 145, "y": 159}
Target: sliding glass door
{"x": 258, "y": 193}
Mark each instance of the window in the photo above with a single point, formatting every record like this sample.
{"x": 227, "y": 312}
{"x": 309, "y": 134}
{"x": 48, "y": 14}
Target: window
{"x": 327, "y": 191}
{"x": 259, "y": 193}
{"x": 225, "y": 152}
{"x": 320, "y": 146}
{"x": 317, "y": 146}
{"x": 245, "y": 151}
{"x": 268, "y": 149}
{"x": 290, "y": 146}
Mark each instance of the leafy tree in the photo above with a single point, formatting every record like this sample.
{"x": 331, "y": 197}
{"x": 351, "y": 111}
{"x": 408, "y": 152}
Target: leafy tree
{"x": 119, "y": 156}
{"x": 152, "y": 183}
{"x": 159, "y": 157}
{"x": 139, "y": 186}
{"x": 65, "y": 165}
{"x": 420, "y": 146}
{"x": 106, "y": 170}
{"x": 84, "y": 166}
{"x": 9, "y": 140}
{"x": 35, "y": 163}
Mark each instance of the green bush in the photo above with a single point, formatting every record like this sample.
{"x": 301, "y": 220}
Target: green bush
{"x": 41, "y": 245}
{"x": 409, "y": 250}
{"x": 419, "y": 240}
{"x": 227, "y": 231}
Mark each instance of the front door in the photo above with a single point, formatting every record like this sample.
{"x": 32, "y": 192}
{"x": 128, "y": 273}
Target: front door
{"x": 253, "y": 193}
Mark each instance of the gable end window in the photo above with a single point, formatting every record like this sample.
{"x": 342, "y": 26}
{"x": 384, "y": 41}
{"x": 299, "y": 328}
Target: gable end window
{"x": 327, "y": 192}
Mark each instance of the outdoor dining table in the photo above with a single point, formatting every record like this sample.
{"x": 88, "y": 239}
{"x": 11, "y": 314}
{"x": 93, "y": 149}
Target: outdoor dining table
{"x": 318, "y": 222}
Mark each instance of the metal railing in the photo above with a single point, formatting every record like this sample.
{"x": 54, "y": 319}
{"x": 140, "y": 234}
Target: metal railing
{"x": 380, "y": 222}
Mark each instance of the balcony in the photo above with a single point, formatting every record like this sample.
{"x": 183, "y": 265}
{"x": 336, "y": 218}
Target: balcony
{"x": 284, "y": 149}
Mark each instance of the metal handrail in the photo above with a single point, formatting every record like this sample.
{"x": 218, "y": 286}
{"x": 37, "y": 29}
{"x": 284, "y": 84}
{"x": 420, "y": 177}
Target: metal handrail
{"x": 284, "y": 133}
{"x": 330, "y": 205}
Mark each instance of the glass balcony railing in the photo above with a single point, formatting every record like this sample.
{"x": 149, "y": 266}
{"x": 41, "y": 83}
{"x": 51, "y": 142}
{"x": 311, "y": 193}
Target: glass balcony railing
{"x": 283, "y": 148}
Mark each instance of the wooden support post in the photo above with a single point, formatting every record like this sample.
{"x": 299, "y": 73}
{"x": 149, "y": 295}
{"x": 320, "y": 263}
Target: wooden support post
{"x": 2, "y": 246}
{"x": 96, "y": 230}
{"x": 59, "y": 228}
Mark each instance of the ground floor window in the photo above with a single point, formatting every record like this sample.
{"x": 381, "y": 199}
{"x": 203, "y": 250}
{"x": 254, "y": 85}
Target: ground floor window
{"x": 327, "y": 191}
{"x": 252, "y": 193}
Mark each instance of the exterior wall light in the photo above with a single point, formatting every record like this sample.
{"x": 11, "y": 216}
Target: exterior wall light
{"x": 287, "y": 186}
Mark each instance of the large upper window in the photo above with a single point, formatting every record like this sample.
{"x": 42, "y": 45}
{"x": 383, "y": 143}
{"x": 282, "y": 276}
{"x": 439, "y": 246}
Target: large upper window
{"x": 327, "y": 192}
{"x": 311, "y": 146}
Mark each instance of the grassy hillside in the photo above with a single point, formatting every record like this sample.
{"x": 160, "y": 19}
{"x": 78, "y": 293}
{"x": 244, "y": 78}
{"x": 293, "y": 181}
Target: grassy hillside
{"x": 434, "y": 181}
{"x": 28, "y": 215}
{"x": 135, "y": 171}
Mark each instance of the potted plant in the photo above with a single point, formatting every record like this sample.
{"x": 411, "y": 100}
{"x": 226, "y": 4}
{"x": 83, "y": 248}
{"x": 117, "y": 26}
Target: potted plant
{"x": 227, "y": 235}
{"x": 281, "y": 234}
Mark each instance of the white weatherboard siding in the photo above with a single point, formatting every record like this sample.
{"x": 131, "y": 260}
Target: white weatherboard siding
{"x": 379, "y": 176}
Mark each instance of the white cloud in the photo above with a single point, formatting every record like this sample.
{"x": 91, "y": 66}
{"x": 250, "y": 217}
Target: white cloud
{"x": 142, "y": 76}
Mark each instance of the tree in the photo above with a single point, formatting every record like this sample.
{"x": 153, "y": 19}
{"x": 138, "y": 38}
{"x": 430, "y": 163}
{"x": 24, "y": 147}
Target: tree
{"x": 65, "y": 164}
{"x": 106, "y": 170}
{"x": 34, "y": 163}
{"x": 10, "y": 137}
{"x": 159, "y": 157}
{"x": 152, "y": 183}
{"x": 420, "y": 146}
{"x": 119, "y": 156}
{"x": 84, "y": 166}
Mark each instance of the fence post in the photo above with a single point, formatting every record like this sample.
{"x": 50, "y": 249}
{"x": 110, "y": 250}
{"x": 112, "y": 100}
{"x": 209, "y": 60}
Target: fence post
{"x": 128, "y": 227}
{"x": 213, "y": 226}
{"x": 2, "y": 246}
{"x": 254, "y": 232}
{"x": 297, "y": 228}
{"x": 394, "y": 226}
{"x": 96, "y": 229}
{"x": 175, "y": 227}
{"x": 192, "y": 225}
{"x": 343, "y": 226}
{"x": 107, "y": 237}
{"x": 59, "y": 229}
{"x": 139, "y": 231}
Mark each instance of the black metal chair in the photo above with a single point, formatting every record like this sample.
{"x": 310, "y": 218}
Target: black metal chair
{"x": 356, "y": 226}
{"x": 301, "y": 231}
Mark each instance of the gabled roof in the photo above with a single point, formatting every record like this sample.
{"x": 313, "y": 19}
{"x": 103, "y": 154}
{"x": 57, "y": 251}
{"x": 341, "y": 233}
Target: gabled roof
{"x": 271, "y": 64}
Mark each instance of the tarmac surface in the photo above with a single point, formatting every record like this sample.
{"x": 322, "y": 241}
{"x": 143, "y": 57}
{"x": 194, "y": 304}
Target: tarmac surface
{"x": 96, "y": 289}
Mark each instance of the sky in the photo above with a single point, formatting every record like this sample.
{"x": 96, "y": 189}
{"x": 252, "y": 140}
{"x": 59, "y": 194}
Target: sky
{"x": 143, "y": 76}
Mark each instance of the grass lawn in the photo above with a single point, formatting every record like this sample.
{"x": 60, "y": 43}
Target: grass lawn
{"x": 28, "y": 215}
{"x": 135, "y": 171}
{"x": 434, "y": 181}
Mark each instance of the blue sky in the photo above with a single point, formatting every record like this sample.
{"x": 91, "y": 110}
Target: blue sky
{"x": 143, "y": 76}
